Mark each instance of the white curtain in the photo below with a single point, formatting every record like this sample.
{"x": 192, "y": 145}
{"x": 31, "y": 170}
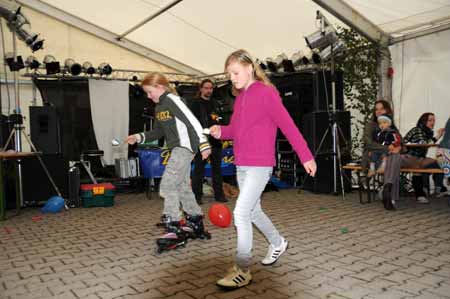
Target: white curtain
{"x": 110, "y": 115}
{"x": 421, "y": 81}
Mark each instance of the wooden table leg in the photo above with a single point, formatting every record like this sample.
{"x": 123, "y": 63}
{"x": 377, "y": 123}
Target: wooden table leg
{"x": 2, "y": 193}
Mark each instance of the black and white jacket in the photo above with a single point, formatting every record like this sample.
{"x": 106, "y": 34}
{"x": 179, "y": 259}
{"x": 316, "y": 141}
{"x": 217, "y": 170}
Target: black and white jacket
{"x": 175, "y": 121}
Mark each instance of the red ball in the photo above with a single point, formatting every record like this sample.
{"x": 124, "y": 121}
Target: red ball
{"x": 220, "y": 215}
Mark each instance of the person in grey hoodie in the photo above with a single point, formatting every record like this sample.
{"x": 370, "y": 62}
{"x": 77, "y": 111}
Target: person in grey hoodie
{"x": 184, "y": 137}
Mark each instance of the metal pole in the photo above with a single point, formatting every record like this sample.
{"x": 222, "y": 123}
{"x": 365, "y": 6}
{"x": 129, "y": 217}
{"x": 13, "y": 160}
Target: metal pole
{"x": 337, "y": 162}
{"x": 162, "y": 10}
{"x": 334, "y": 129}
{"x": 17, "y": 127}
{"x": 34, "y": 101}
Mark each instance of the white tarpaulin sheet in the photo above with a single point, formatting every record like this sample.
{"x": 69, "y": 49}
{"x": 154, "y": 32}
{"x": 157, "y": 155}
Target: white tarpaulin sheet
{"x": 421, "y": 79}
{"x": 110, "y": 116}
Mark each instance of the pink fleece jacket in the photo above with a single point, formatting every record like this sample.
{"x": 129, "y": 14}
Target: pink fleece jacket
{"x": 258, "y": 112}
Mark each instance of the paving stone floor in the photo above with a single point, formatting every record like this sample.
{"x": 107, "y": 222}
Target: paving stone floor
{"x": 338, "y": 249}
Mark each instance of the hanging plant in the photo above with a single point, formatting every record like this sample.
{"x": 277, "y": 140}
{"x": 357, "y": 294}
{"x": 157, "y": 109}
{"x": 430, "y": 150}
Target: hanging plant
{"x": 359, "y": 65}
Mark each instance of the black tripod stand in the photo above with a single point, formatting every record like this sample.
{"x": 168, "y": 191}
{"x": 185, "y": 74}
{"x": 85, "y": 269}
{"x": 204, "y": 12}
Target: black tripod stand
{"x": 334, "y": 132}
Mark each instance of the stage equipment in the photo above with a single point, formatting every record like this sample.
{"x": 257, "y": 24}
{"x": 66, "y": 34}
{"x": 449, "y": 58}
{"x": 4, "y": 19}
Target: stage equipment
{"x": 32, "y": 63}
{"x": 271, "y": 65}
{"x": 338, "y": 49}
{"x": 326, "y": 37}
{"x": 14, "y": 63}
{"x": 51, "y": 65}
{"x": 73, "y": 67}
{"x": 104, "y": 69}
{"x": 288, "y": 66}
{"x": 261, "y": 64}
{"x": 19, "y": 25}
{"x": 45, "y": 129}
{"x": 88, "y": 68}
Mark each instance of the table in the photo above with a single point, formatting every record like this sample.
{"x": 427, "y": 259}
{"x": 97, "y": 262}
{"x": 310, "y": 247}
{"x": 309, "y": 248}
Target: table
{"x": 14, "y": 156}
{"x": 424, "y": 145}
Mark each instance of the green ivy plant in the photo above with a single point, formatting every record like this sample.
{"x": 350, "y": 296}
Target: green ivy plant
{"x": 359, "y": 64}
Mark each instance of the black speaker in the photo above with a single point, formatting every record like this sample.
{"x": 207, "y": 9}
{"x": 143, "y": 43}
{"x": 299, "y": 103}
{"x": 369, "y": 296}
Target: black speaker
{"x": 5, "y": 131}
{"x": 308, "y": 91}
{"x": 317, "y": 131}
{"x": 45, "y": 129}
{"x": 187, "y": 91}
{"x": 36, "y": 186}
{"x": 297, "y": 92}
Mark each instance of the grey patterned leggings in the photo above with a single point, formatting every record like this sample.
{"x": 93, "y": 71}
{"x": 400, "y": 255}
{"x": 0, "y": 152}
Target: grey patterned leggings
{"x": 175, "y": 187}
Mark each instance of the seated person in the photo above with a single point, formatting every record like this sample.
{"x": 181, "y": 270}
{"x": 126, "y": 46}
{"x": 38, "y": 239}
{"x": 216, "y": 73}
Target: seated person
{"x": 443, "y": 155}
{"x": 386, "y": 135}
{"x": 423, "y": 133}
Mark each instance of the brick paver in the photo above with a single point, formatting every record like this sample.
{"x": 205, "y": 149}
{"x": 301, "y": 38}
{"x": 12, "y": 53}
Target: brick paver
{"x": 110, "y": 252}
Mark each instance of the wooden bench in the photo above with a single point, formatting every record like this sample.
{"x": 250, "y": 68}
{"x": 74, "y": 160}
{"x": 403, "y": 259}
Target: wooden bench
{"x": 358, "y": 169}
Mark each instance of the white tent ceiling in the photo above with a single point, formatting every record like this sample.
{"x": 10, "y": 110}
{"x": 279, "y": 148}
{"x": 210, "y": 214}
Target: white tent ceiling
{"x": 201, "y": 33}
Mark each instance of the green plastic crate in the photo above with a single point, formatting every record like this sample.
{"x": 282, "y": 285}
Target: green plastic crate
{"x": 97, "y": 195}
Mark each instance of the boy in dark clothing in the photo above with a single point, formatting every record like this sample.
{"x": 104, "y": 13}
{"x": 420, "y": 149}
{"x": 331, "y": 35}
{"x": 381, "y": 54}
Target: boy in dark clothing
{"x": 385, "y": 135}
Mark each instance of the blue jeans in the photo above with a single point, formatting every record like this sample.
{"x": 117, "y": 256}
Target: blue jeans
{"x": 252, "y": 181}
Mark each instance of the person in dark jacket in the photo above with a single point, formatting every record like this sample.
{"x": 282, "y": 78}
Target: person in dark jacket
{"x": 394, "y": 159}
{"x": 204, "y": 108}
{"x": 423, "y": 133}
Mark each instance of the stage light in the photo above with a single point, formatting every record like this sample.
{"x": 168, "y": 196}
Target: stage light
{"x": 261, "y": 64}
{"x": 51, "y": 65}
{"x": 288, "y": 66}
{"x": 279, "y": 59}
{"x": 136, "y": 78}
{"x": 73, "y": 67}
{"x": 300, "y": 57}
{"x": 316, "y": 58}
{"x": 32, "y": 62}
{"x": 323, "y": 37}
{"x": 319, "y": 40}
{"x": 104, "y": 69}
{"x": 326, "y": 54}
{"x": 14, "y": 64}
{"x": 88, "y": 68}
{"x": 271, "y": 65}
{"x": 20, "y": 25}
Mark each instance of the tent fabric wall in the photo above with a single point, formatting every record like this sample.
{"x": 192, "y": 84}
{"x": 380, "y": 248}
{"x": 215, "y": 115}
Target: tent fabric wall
{"x": 110, "y": 116}
{"x": 202, "y": 33}
{"x": 421, "y": 79}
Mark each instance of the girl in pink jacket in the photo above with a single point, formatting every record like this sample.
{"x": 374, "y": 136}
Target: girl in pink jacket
{"x": 258, "y": 112}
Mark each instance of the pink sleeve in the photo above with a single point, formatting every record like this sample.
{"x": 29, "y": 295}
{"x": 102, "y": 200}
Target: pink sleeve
{"x": 227, "y": 132}
{"x": 281, "y": 117}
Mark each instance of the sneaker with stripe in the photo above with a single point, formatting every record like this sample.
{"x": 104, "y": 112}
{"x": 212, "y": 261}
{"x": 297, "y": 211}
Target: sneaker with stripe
{"x": 236, "y": 278}
{"x": 274, "y": 253}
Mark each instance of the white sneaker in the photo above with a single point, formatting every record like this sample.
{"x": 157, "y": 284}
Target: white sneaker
{"x": 422, "y": 199}
{"x": 274, "y": 253}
